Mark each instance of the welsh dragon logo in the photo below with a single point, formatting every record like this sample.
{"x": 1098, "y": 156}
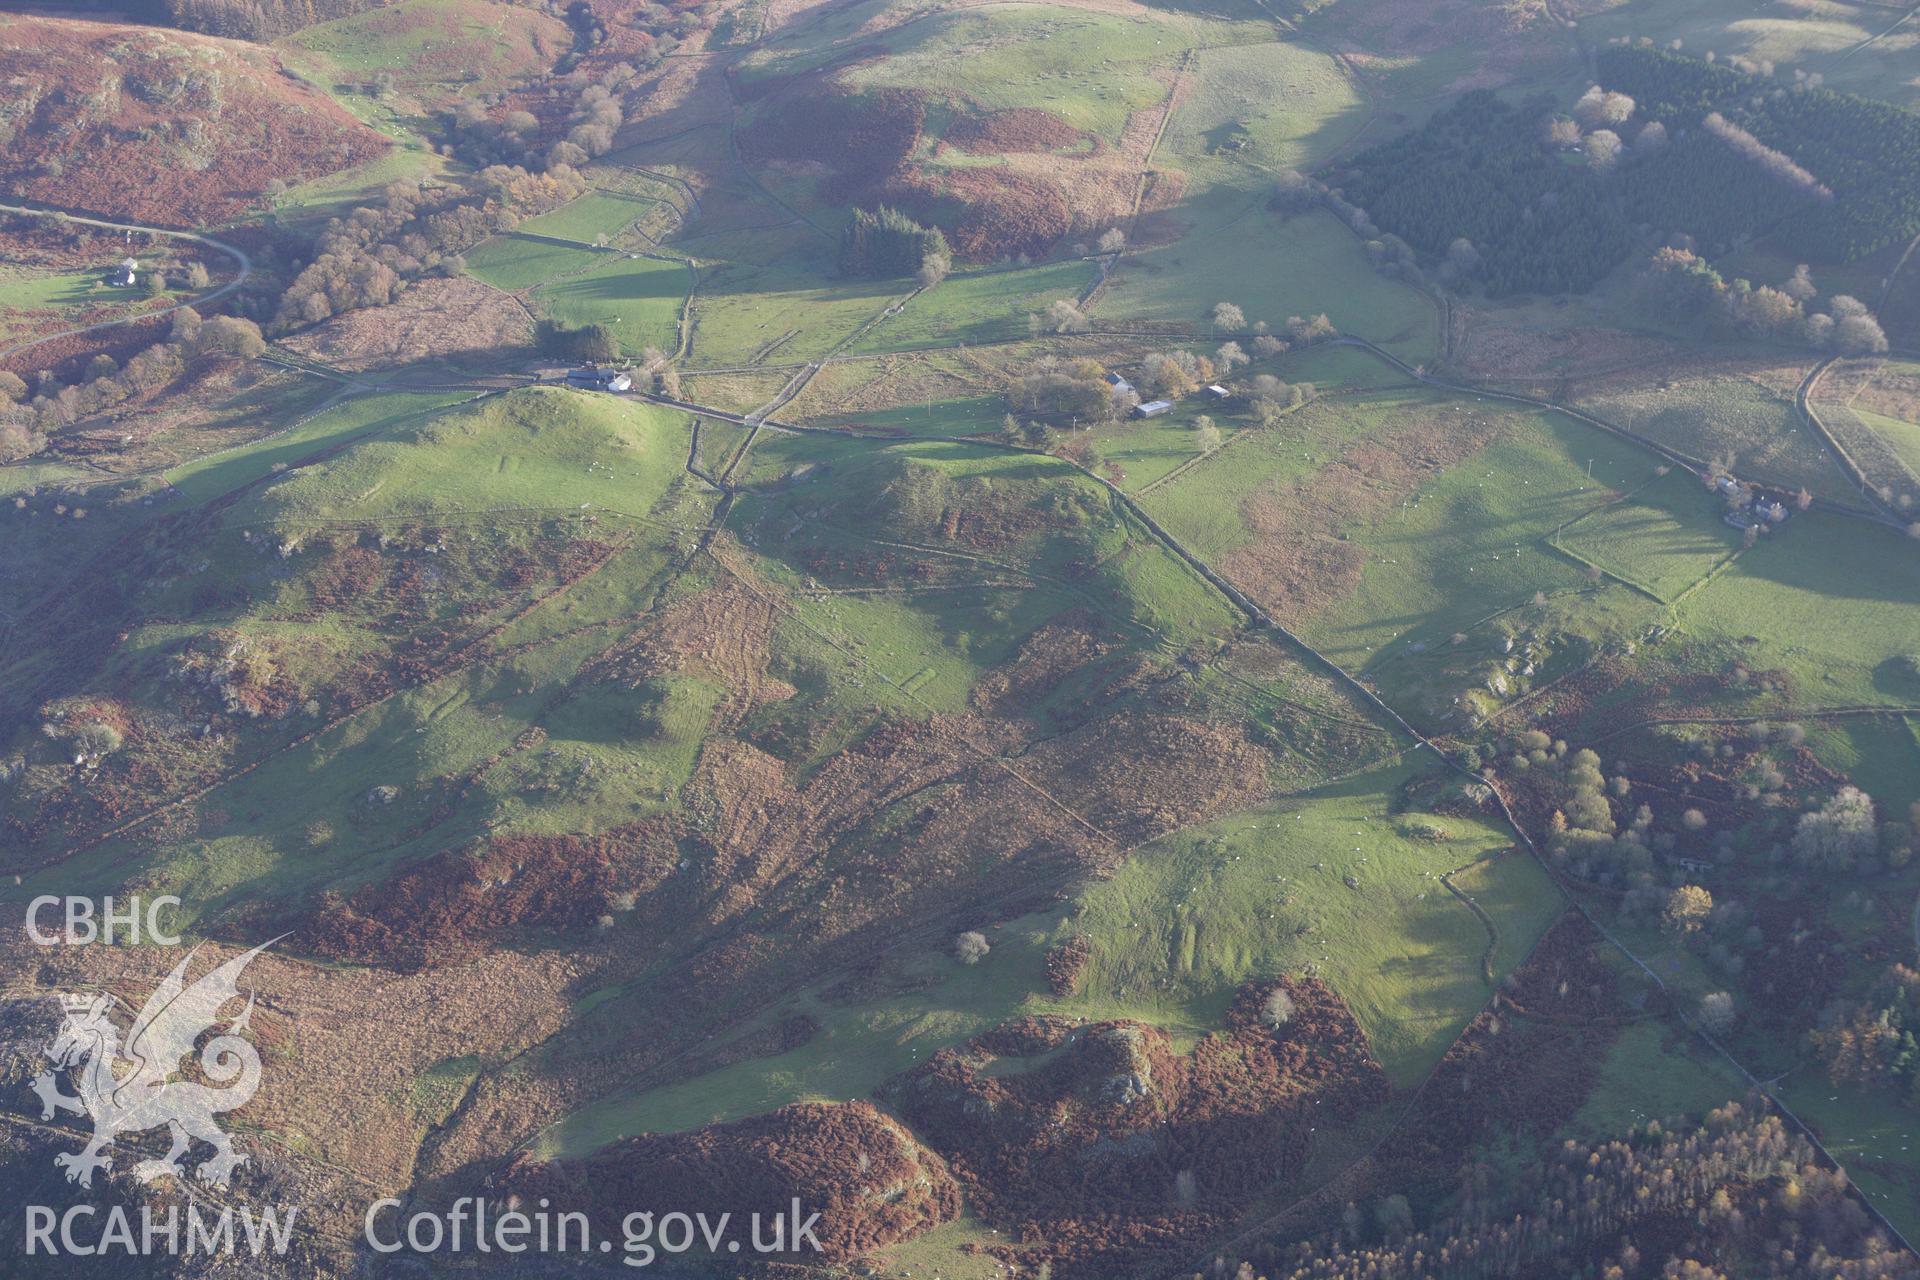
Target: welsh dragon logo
{"x": 133, "y": 1089}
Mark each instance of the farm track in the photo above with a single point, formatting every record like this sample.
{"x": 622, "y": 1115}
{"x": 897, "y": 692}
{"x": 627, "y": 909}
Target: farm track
{"x": 1197, "y": 459}
{"x": 1877, "y": 37}
{"x": 245, "y": 264}
{"x": 764, "y": 418}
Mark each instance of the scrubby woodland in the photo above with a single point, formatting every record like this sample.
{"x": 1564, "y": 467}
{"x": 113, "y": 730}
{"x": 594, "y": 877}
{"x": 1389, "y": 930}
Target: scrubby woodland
{"x": 1740, "y": 1196}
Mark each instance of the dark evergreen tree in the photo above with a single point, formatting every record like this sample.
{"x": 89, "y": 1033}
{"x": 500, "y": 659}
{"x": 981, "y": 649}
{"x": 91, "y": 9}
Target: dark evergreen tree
{"x": 884, "y": 243}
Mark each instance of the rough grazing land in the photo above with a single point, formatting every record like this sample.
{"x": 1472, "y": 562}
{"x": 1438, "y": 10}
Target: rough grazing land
{"x": 887, "y": 803}
{"x": 871, "y": 1182}
{"x": 159, "y": 126}
{"x": 1083, "y": 1133}
{"x": 1294, "y": 561}
{"x": 460, "y": 320}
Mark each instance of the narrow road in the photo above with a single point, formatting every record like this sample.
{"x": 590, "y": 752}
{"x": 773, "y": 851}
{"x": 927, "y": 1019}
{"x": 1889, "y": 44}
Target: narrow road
{"x": 1803, "y": 403}
{"x": 244, "y": 262}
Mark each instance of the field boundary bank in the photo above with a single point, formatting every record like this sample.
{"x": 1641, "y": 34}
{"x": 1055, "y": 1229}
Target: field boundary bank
{"x": 1488, "y": 956}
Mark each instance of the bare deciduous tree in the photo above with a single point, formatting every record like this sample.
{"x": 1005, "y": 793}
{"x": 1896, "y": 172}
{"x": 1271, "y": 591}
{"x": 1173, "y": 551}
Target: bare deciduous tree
{"x": 1716, "y": 1012}
{"x": 1602, "y": 109}
{"x": 1800, "y": 286}
{"x": 1064, "y": 317}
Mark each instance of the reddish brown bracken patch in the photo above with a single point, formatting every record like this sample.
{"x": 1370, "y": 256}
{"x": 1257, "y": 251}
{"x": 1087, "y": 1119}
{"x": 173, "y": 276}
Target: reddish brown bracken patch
{"x": 1065, "y": 963}
{"x": 454, "y": 319}
{"x": 455, "y": 904}
{"x": 1018, "y": 129}
{"x": 1116, "y": 1151}
{"x": 870, "y": 1182}
{"x": 161, "y": 126}
{"x": 862, "y": 139}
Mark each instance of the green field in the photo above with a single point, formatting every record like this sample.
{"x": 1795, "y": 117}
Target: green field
{"x": 1873, "y": 1136}
{"x": 1328, "y": 367}
{"x": 1414, "y": 62}
{"x": 1150, "y": 451}
{"x": 748, "y": 313}
{"x": 595, "y": 214}
{"x": 1725, "y": 416}
{"x": 1664, "y": 540}
{"x": 682, "y": 747}
{"x": 501, "y": 472}
{"x": 513, "y": 262}
{"x": 925, "y": 392}
{"x": 1879, "y": 754}
{"x": 932, "y": 645}
{"x": 1472, "y": 541}
{"x": 961, "y": 416}
{"x": 1137, "y": 581}
{"x": 25, "y": 292}
{"x": 1176, "y": 930}
{"x": 1656, "y": 1072}
{"x": 1834, "y": 602}
{"x": 977, "y": 307}
{"x": 1858, "y": 47}
{"x": 1273, "y": 105}
{"x": 639, "y": 299}
{"x": 411, "y": 159}
{"x": 523, "y": 451}
{"x": 1204, "y": 506}
{"x": 1903, "y": 438}
{"x": 1090, "y": 69}
{"x": 435, "y": 47}
{"x": 1272, "y": 268}
{"x": 210, "y": 476}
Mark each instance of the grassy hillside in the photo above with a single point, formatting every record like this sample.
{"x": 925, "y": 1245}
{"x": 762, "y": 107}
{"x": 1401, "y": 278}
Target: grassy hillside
{"x": 439, "y": 50}
{"x": 1300, "y": 266}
